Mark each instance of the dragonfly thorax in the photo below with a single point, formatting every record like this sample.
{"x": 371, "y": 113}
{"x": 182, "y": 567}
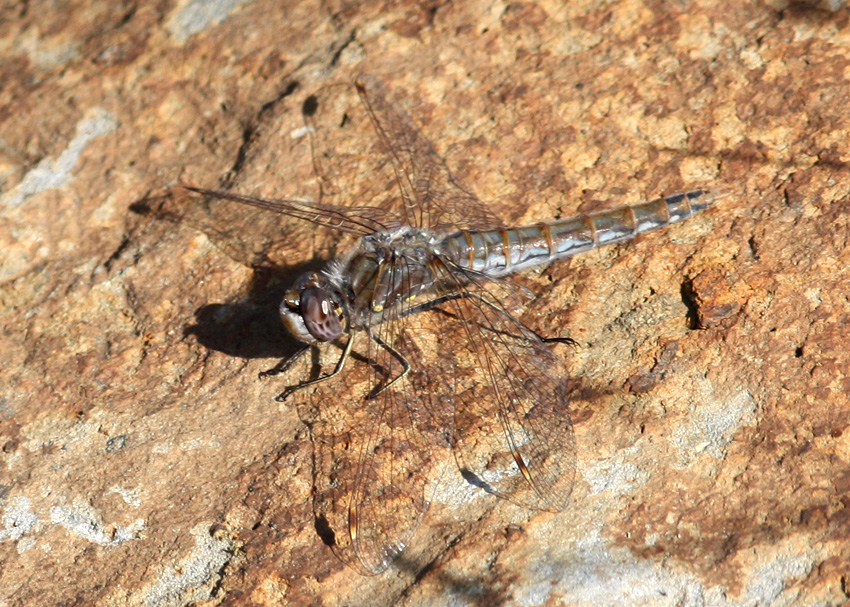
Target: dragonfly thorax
{"x": 407, "y": 238}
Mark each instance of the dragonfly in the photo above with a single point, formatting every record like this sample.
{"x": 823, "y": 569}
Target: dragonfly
{"x": 431, "y": 356}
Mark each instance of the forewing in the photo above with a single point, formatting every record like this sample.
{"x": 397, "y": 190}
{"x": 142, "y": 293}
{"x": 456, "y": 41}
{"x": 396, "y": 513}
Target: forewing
{"x": 366, "y": 182}
{"x": 353, "y": 220}
{"x": 349, "y": 161}
{"x": 251, "y": 236}
{"x": 513, "y": 434}
{"x": 335, "y": 167}
{"x": 431, "y": 198}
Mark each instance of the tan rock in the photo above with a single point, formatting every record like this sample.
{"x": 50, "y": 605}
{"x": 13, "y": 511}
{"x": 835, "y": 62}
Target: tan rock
{"x": 143, "y": 462}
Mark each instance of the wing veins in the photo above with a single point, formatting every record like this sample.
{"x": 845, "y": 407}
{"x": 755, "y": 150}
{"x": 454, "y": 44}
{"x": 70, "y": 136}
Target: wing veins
{"x": 344, "y": 219}
{"x": 401, "y": 421}
{"x": 506, "y": 411}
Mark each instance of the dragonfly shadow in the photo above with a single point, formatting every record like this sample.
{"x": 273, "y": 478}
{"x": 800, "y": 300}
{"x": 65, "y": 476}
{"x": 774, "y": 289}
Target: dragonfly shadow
{"x": 477, "y": 590}
{"x": 250, "y": 327}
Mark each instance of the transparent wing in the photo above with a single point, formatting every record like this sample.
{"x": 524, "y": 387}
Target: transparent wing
{"x": 250, "y": 236}
{"x": 354, "y": 220}
{"x": 430, "y": 196}
{"x": 341, "y": 123}
{"x": 349, "y": 161}
{"x": 513, "y": 433}
{"x": 380, "y": 449}
{"x": 477, "y": 379}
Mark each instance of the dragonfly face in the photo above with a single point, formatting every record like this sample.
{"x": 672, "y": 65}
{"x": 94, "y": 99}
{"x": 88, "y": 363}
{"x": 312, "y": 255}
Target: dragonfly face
{"x": 310, "y": 311}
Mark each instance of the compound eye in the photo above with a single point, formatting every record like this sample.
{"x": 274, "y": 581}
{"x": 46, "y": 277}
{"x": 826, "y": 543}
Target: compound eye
{"x": 320, "y": 314}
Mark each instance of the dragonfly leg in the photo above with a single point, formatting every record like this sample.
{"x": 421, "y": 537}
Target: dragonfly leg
{"x": 558, "y": 340}
{"x": 284, "y": 365}
{"x": 545, "y": 340}
{"x": 434, "y": 303}
{"x": 399, "y": 357}
{"x": 308, "y": 382}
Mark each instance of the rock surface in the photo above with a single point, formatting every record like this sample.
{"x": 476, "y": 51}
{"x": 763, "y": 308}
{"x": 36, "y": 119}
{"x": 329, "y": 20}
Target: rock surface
{"x": 143, "y": 463}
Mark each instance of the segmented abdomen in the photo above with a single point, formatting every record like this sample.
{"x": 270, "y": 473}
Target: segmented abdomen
{"x": 509, "y": 250}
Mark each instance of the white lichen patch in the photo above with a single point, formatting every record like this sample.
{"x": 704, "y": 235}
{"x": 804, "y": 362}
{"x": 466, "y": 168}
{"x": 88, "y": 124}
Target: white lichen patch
{"x": 197, "y": 15}
{"x": 82, "y": 519}
{"x": 52, "y": 173}
{"x": 712, "y": 424}
{"x": 618, "y": 474}
{"x": 18, "y": 520}
{"x": 191, "y": 579}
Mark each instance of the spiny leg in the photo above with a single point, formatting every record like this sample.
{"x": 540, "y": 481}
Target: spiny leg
{"x": 399, "y": 357}
{"x": 307, "y": 382}
{"x": 434, "y": 303}
{"x": 284, "y": 365}
{"x": 557, "y": 340}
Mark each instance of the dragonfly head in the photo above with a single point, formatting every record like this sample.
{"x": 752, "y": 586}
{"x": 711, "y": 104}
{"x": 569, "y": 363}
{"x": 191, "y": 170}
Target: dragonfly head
{"x": 311, "y": 312}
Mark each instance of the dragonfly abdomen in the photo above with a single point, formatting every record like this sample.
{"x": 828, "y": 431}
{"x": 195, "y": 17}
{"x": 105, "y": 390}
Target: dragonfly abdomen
{"x": 509, "y": 250}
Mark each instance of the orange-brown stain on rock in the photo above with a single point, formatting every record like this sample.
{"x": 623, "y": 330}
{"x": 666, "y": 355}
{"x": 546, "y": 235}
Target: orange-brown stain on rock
{"x": 717, "y": 296}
